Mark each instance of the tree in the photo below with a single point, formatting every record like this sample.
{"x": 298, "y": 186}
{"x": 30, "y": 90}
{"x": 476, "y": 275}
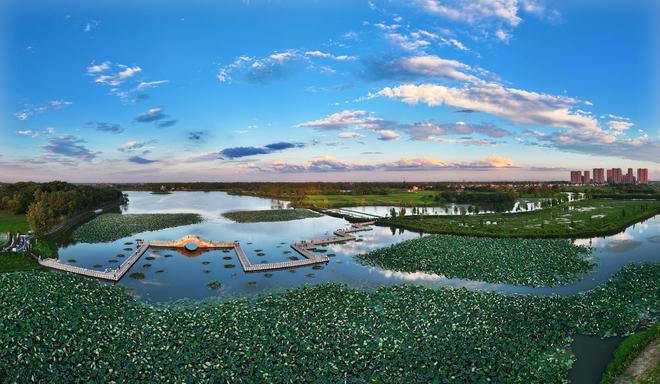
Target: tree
{"x": 39, "y": 217}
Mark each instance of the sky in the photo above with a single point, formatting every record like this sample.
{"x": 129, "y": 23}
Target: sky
{"x": 373, "y": 90}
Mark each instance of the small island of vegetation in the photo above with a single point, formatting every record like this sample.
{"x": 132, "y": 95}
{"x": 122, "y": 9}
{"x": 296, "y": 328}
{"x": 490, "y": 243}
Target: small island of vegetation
{"x": 533, "y": 262}
{"x": 270, "y": 215}
{"x": 114, "y": 226}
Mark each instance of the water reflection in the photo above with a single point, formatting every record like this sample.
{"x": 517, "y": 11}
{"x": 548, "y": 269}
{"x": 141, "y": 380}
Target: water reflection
{"x": 453, "y": 209}
{"x": 170, "y": 274}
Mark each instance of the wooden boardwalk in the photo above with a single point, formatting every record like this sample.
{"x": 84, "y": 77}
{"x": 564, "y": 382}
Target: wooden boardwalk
{"x": 108, "y": 274}
{"x": 304, "y": 248}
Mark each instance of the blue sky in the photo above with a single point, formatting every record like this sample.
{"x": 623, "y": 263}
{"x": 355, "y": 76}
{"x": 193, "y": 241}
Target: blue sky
{"x": 327, "y": 90}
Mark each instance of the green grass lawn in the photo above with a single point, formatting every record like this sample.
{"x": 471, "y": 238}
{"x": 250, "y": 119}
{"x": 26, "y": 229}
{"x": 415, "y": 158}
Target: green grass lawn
{"x": 419, "y": 199}
{"x": 13, "y": 262}
{"x": 547, "y": 262}
{"x": 581, "y": 218}
{"x": 270, "y": 215}
{"x": 13, "y": 223}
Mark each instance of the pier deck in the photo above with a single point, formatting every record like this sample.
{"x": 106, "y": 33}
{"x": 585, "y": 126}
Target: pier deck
{"x": 304, "y": 248}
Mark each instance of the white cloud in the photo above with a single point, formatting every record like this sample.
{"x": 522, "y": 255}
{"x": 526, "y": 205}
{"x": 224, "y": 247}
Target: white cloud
{"x": 433, "y": 66}
{"x": 326, "y": 55}
{"x": 344, "y": 120}
{"x": 518, "y": 106}
{"x": 406, "y": 42}
{"x": 151, "y": 84}
{"x": 475, "y": 11}
{"x": 29, "y": 110}
{"x": 491, "y": 18}
{"x": 89, "y": 26}
{"x": 129, "y": 72}
{"x": 619, "y": 125}
{"x": 503, "y": 35}
{"x": 97, "y": 68}
{"x": 121, "y": 79}
{"x": 387, "y": 134}
{"x": 133, "y": 146}
{"x": 455, "y": 43}
{"x": 351, "y": 135}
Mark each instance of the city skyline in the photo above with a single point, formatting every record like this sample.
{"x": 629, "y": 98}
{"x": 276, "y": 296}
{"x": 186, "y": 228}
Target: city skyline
{"x": 610, "y": 176}
{"x": 329, "y": 91}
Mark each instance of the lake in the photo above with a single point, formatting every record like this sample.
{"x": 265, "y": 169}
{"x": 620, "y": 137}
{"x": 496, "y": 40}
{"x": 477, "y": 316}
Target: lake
{"x": 170, "y": 275}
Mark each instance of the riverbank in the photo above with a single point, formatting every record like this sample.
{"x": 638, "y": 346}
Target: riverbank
{"x": 314, "y": 333}
{"x": 637, "y": 359}
{"x": 585, "y": 218}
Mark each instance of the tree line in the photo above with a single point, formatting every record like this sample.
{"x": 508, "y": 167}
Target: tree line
{"x": 46, "y": 204}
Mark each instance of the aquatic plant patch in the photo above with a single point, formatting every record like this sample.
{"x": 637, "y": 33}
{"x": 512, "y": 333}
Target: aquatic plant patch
{"x": 270, "y": 215}
{"x": 532, "y": 262}
{"x": 114, "y": 226}
{"x": 318, "y": 333}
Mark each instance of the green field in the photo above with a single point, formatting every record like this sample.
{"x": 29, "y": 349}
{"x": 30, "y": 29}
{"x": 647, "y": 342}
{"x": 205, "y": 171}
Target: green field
{"x": 12, "y": 262}
{"x": 418, "y": 199}
{"x": 546, "y": 261}
{"x": 582, "y": 218}
{"x": 114, "y": 226}
{"x": 13, "y": 223}
{"x": 318, "y": 333}
{"x": 270, "y": 215}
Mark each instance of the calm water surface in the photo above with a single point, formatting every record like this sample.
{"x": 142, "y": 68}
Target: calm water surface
{"x": 169, "y": 274}
{"x": 451, "y": 209}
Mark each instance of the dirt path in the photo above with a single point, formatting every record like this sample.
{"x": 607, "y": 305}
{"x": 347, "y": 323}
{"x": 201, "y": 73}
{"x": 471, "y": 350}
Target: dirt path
{"x": 646, "y": 361}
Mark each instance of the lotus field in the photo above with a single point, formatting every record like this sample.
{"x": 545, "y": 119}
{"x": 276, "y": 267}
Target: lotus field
{"x": 532, "y": 262}
{"x": 270, "y": 215}
{"x": 114, "y": 226}
{"x": 320, "y": 333}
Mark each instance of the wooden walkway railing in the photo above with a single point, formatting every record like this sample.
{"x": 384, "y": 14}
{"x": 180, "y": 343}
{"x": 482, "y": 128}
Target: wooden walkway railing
{"x": 304, "y": 248}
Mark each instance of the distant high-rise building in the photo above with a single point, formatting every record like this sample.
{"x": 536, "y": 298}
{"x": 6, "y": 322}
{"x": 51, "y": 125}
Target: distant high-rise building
{"x": 576, "y": 177}
{"x": 629, "y": 178}
{"x": 599, "y": 176}
{"x": 642, "y": 175}
{"x": 617, "y": 176}
{"x": 610, "y": 176}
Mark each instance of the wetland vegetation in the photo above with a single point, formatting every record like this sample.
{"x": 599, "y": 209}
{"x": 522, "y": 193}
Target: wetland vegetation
{"x": 270, "y": 215}
{"x": 533, "y": 262}
{"x": 399, "y": 333}
{"x": 583, "y": 218}
{"x": 114, "y": 226}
